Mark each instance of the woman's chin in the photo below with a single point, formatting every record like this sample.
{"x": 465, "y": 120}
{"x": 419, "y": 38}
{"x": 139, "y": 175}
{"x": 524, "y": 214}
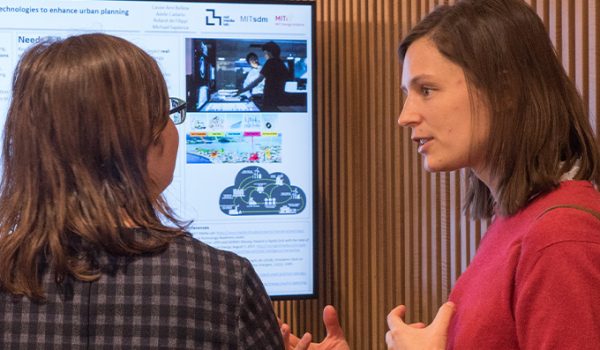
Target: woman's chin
{"x": 432, "y": 167}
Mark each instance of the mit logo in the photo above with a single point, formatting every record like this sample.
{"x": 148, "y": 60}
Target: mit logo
{"x": 210, "y": 21}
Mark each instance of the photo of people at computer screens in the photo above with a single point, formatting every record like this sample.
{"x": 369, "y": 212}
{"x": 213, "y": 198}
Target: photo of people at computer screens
{"x": 234, "y": 75}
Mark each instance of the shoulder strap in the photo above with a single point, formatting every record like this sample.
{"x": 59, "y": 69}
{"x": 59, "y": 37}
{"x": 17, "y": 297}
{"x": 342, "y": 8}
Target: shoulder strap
{"x": 572, "y": 206}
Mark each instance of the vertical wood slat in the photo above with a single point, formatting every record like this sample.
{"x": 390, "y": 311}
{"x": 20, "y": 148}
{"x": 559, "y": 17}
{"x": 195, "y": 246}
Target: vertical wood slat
{"x": 594, "y": 43}
{"x": 389, "y": 233}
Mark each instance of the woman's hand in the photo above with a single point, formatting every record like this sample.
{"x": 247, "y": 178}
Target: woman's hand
{"x": 417, "y": 336}
{"x": 333, "y": 341}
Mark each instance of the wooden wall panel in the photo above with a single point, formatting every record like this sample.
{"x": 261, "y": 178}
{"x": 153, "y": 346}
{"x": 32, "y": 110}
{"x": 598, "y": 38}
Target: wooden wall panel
{"x": 390, "y": 233}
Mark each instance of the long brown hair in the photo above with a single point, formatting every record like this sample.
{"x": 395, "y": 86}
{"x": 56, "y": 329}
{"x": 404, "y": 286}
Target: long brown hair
{"x": 539, "y": 127}
{"x": 83, "y": 114}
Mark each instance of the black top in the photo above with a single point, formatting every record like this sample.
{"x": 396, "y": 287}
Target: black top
{"x": 276, "y": 74}
{"x": 190, "y": 296}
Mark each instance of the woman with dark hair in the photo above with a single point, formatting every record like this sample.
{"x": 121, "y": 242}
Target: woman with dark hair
{"x": 483, "y": 68}
{"x": 485, "y": 91}
{"x": 91, "y": 255}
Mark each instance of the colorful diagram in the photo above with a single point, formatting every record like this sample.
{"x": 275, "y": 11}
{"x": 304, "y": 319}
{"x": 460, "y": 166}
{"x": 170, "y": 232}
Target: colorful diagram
{"x": 233, "y": 148}
{"x": 256, "y": 192}
{"x": 218, "y": 139}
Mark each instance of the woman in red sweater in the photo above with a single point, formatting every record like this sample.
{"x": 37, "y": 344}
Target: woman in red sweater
{"x": 485, "y": 91}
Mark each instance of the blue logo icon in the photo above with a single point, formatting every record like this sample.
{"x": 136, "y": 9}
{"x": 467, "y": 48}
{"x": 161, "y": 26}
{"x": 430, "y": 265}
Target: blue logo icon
{"x": 213, "y": 19}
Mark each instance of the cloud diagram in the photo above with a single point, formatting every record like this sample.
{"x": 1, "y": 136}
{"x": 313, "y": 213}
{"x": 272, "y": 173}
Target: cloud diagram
{"x": 256, "y": 192}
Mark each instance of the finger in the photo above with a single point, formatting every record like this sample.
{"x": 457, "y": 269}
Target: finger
{"x": 304, "y": 342}
{"x": 332, "y": 323}
{"x": 292, "y": 339}
{"x": 285, "y": 333}
{"x": 280, "y": 322}
{"x": 419, "y": 325}
{"x": 389, "y": 340}
{"x": 444, "y": 315}
{"x": 396, "y": 316}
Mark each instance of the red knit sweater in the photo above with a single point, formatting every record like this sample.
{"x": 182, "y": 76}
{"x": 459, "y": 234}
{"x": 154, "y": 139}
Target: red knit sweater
{"x": 535, "y": 281}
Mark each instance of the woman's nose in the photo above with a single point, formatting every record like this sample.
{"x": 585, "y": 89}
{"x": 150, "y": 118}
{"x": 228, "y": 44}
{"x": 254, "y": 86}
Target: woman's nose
{"x": 409, "y": 115}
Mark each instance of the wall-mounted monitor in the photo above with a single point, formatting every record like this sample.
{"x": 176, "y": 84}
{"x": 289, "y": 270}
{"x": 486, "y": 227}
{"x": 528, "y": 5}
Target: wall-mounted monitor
{"x": 245, "y": 167}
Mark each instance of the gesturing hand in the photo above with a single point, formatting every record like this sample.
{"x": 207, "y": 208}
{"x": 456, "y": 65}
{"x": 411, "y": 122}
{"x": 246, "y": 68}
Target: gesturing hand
{"x": 333, "y": 341}
{"x": 406, "y": 337}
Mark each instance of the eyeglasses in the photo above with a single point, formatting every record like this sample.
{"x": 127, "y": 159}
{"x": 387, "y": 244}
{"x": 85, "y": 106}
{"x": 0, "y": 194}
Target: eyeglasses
{"x": 177, "y": 111}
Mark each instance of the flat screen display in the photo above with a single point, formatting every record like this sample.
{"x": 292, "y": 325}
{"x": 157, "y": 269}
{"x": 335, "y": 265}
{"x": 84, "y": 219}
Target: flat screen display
{"x": 245, "y": 166}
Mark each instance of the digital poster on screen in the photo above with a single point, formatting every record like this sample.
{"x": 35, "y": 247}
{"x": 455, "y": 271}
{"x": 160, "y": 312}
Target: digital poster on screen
{"x": 245, "y": 169}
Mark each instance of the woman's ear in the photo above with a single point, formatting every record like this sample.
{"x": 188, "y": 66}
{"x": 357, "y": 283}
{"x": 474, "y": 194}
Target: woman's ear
{"x": 161, "y": 157}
